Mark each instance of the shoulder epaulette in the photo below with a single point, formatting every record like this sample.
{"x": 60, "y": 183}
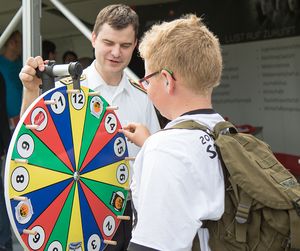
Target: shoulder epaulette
{"x": 137, "y": 85}
{"x": 69, "y": 80}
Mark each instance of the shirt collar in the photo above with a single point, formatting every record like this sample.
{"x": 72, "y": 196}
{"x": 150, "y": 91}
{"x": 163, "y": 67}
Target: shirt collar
{"x": 200, "y": 111}
{"x": 96, "y": 81}
{"x": 194, "y": 113}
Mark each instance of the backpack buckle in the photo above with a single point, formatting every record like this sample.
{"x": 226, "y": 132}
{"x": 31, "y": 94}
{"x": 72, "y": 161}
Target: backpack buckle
{"x": 286, "y": 243}
{"x": 243, "y": 209}
{"x": 242, "y": 213}
{"x": 296, "y": 204}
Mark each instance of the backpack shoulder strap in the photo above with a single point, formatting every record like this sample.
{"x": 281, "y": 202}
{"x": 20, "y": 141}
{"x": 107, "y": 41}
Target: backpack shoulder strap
{"x": 189, "y": 124}
{"x": 192, "y": 125}
{"x": 224, "y": 127}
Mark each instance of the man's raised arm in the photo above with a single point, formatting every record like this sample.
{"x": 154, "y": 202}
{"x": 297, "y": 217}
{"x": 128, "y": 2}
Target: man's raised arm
{"x": 30, "y": 81}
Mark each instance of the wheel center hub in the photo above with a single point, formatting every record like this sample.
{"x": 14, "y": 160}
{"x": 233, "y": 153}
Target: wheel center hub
{"x": 76, "y": 176}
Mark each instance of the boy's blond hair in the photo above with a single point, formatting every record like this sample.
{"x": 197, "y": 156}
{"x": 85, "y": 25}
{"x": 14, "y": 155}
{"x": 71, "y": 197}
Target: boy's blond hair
{"x": 187, "y": 47}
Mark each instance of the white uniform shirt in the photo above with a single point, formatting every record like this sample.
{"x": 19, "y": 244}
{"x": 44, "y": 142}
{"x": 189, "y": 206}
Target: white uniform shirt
{"x": 134, "y": 105}
{"x": 177, "y": 183}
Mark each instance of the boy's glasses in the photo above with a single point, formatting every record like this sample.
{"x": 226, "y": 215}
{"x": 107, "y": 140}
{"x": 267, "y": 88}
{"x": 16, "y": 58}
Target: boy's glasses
{"x": 144, "y": 81}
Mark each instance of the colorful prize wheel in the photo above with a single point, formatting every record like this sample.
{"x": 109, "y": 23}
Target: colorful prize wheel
{"x": 67, "y": 172}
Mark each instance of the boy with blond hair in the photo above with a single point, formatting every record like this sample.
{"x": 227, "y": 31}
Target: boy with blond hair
{"x": 178, "y": 180}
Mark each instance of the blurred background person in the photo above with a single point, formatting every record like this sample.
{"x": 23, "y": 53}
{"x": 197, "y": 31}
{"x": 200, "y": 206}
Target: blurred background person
{"x": 5, "y": 232}
{"x": 10, "y": 66}
{"x": 283, "y": 17}
{"x": 69, "y": 56}
{"x": 294, "y": 6}
{"x": 48, "y": 50}
{"x": 85, "y": 61}
{"x": 267, "y": 10}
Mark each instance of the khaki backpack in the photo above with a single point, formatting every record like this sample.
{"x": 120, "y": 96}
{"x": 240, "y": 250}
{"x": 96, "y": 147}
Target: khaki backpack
{"x": 262, "y": 198}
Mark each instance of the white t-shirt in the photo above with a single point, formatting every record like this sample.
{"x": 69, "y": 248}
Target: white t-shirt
{"x": 133, "y": 104}
{"x": 177, "y": 183}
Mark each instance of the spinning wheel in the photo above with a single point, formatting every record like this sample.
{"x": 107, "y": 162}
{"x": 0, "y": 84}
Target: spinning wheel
{"x": 67, "y": 172}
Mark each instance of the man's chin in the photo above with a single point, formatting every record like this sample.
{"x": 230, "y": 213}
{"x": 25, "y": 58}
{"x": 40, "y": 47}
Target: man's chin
{"x": 116, "y": 69}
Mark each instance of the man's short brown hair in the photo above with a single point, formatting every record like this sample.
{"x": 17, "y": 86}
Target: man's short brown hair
{"x": 118, "y": 16}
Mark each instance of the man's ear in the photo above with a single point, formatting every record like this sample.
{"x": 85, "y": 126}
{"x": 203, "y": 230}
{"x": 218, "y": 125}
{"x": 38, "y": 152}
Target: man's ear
{"x": 135, "y": 43}
{"x": 94, "y": 37}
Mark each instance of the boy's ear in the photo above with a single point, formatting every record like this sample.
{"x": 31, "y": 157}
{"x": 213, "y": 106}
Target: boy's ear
{"x": 169, "y": 81}
{"x": 167, "y": 76}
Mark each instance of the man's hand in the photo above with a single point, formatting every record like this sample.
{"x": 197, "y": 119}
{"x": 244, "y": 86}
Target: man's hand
{"x": 30, "y": 81}
{"x": 28, "y": 73}
{"x": 136, "y": 133}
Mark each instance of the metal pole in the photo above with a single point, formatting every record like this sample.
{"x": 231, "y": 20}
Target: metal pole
{"x": 31, "y": 28}
{"x": 26, "y": 31}
{"x": 73, "y": 19}
{"x": 11, "y": 27}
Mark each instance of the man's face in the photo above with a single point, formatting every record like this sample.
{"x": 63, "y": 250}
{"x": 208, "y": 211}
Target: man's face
{"x": 266, "y": 7}
{"x": 280, "y": 5}
{"x": 113, "y": 48}
{"x": 293, "y": 5}
{"x": 17, "y": 44}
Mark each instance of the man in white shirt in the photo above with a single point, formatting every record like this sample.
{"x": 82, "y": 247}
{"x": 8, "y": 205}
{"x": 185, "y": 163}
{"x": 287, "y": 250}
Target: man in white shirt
{"x": 177, "y": 180}
{"x": 114, "y": 38}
